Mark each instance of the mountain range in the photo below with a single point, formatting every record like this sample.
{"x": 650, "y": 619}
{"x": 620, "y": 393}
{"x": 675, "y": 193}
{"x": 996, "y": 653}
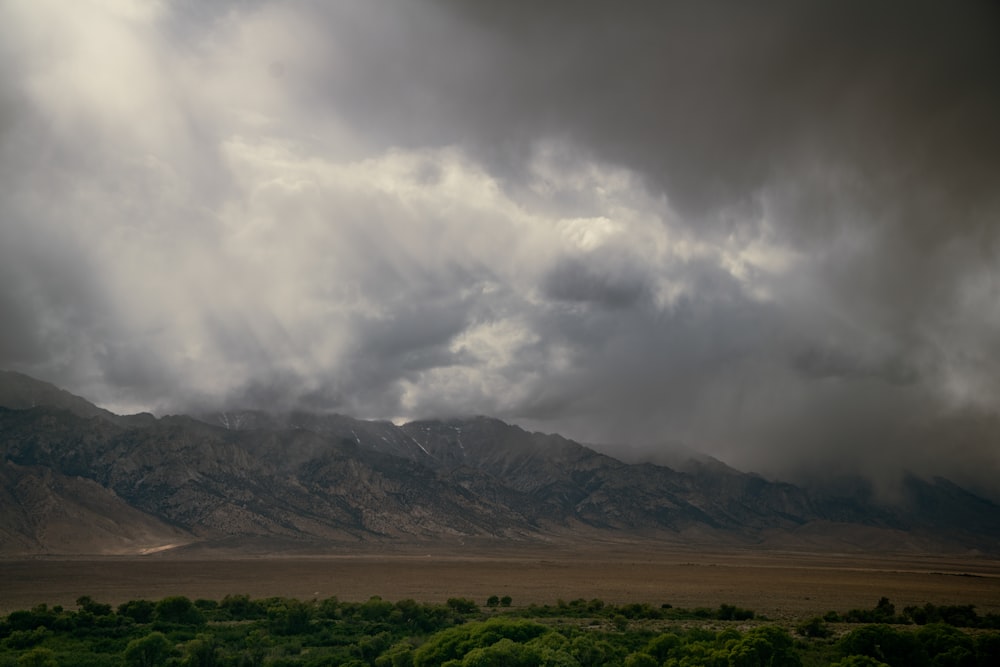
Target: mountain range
{"x": 78, "y": 479}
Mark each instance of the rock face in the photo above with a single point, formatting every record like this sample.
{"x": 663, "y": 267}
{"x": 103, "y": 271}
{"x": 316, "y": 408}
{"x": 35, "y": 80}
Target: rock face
{"x": 77, "y": 479}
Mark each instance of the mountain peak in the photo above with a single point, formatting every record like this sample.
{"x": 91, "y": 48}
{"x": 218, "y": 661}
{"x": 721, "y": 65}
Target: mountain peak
{"x": 21, "y": 392}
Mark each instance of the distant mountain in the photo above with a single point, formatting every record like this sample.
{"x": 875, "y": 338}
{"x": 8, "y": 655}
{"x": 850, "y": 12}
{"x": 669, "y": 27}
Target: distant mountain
{"x": 79, "y": 479}
{"x": 21, "y": 392}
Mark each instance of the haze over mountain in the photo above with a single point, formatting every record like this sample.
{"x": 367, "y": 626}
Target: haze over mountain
{"x": 77, "y": 479}
{"x": 765, "y": 231}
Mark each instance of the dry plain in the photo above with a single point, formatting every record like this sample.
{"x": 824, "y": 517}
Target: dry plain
{"x": 776, "y": 583}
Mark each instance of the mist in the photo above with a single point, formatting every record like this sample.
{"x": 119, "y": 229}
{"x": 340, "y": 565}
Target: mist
{"x": 764, "y": 232}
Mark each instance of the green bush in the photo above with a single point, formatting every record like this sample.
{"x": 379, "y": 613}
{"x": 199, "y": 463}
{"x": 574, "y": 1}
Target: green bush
{"x": 149, "y": 651}
{"x": 289, "y": 617}
{"x": 939, "y": 639}
{"x": 814, "y": 628}
{"x": 463, "y": 605}
{"x": 179, "y": 610}
{"x": 661, "y": 646}
{"x": 398, "y": 655}
{"x": 884, "y": 611}
{"x": 140, "y": 611}
{"x": 728, "y": 612}
{"x": 203, "y": 651}
{"x": 988, "y": 649}
{"x": 766, "y": 646}
{"x": 21, "y": 639}
{"x": 504, "y": 653}
{"x": 376, "y": 609}
{"x": 87, "y": 604}
{"x": 40, "y": 616}
{"x": 963, "y": 616}
{"x": 591, "y": 651}
{"x": 455, "y": 643}
{"x": 859, "y": 661}
{"x": 640, "y": 660}
{"x": 886, "y": 644}
{"x": 38, "y": 657}
{"x": 242, "y": 608}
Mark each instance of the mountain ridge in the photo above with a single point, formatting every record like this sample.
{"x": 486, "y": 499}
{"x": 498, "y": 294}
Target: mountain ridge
{"x": 137, "y": 483}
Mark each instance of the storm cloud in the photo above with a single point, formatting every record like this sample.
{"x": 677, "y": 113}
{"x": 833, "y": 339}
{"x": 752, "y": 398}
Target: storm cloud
{"x": 767, "y": 231}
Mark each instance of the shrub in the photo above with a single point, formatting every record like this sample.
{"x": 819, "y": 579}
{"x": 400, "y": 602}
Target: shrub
{"x": 859, "y": 661}
{"x": 454, "y": 643}
{"x": 939, "y": 639}
{"x": 201, "y": 651}
{"x": 398, "y": 655}
{"x": 140, "y": 611}
{"x": 505, "y": 653}
{"x": 376, "y": 609}
{"x": 242, "y": 608}
{"x": 40, "y": 616}
{"x": 884, "y": 643}
{"x": 640, "y": 660}
{"x": 329, "y": 608}
{"x": 256, "y": 646}
{"x": 591, "y": 652}
{"x": 884, "y": 611}
{"x": 38, "y": 657}
{"x": 814, "y": 628}
{"x": 290, "y": 617}
{"x": 988, "y": 649}
{"x": 463, "y": 605}
{"x": 963, "y": 616}
{"x": 728, "y": 612}
{"x": 20, "y": 639}
{"x": 660, "y": 647}
{"x": 764, "y": 646}
{"x": 149, "y": 651}
{"x": 87, "y": 604}
{"x": 178, "y": 609}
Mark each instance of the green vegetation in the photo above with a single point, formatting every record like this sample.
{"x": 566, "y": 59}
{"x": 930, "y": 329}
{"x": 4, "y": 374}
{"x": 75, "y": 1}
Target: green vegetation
{"x": 238, "y": 631}
{"x": 884, "y": 611}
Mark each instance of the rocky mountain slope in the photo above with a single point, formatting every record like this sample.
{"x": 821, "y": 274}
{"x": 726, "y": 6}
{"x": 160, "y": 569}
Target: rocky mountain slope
{"x": 78, "y": 479}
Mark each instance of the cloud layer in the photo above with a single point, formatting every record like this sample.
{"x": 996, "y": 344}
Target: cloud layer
{"x": 766, "y": 232}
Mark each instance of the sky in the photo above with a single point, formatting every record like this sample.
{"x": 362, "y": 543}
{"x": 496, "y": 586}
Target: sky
{"x": 769, "y": 232}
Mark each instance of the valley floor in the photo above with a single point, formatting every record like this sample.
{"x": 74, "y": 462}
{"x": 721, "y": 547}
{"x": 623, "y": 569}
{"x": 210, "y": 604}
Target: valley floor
{"x": 777, "y": 584}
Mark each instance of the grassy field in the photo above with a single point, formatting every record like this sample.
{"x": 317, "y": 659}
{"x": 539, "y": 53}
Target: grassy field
{"x": 781, "y": 585}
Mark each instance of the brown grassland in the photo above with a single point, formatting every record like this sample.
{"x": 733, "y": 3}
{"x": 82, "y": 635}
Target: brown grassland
{"x": 779, "y": 584}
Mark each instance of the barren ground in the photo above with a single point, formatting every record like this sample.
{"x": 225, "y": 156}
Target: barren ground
{"x": 778, "y": 584}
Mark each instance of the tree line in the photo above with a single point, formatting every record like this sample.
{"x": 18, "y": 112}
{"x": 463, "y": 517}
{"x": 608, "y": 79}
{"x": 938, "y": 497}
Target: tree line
{"x": 240, "y": 631}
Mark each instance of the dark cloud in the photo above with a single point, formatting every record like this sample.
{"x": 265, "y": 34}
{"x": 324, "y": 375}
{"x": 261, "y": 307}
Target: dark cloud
{"x": 577, "y": 280}
{"x": 767, "y": 231}
{"x": 711, "y": 104}
{"x": 826, "y": 363}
